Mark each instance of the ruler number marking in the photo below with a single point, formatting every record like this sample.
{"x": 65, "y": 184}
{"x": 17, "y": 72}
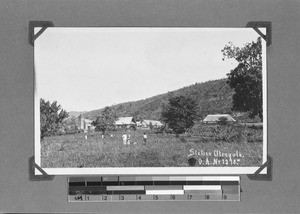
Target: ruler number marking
{"x": 79, "y": 198}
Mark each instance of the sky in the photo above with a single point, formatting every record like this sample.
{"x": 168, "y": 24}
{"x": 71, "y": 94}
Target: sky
{"x": 85, "y": 69}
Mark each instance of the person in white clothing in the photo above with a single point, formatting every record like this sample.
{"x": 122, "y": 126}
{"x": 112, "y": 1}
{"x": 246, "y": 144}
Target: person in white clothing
{"x": 124, "y": 137}
{"x": 145, "y": 138}
{"x": 128, "y": 139}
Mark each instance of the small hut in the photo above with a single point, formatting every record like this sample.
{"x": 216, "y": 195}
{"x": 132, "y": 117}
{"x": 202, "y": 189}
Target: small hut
{"x": 215, "y": 118}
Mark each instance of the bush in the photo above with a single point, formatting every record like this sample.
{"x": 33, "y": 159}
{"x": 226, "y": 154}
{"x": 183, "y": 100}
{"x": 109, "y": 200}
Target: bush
{"x": 222, "y": 120}
{"x": 160, "y": 130}
{"x": 133, "y": 127}
{"x": 256, "y": 127}
{"x": 72, "y": 131}
{"x": 61, "y": 132}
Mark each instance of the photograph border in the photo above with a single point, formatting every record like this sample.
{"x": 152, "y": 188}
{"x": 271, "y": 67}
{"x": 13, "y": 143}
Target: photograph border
{"x": 154, "y": 170}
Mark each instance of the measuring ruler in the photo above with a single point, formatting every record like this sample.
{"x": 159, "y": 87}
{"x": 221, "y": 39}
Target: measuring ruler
{"x": 153, "y": 188}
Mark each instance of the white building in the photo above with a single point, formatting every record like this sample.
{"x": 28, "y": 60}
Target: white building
{"x": 146, "y": 124}
{"x": 85, "y": 124}
{"x": 215, "y": 118}
{"x": 125, "y": 122}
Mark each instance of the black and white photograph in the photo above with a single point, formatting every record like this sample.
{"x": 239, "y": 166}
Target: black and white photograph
{"x": 150, "y": 100}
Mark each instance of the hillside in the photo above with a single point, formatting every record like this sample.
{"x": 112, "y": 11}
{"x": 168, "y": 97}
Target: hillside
{"x": 212, "y": 97}
{"x": 75, "y": 113}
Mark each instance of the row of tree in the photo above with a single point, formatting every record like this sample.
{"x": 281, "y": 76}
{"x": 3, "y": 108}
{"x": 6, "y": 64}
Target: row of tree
{"x": 181, "y": 112}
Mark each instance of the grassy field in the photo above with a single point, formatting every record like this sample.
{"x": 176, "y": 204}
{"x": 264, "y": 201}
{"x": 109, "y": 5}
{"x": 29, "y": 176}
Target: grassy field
{"x": 209, "y": 145}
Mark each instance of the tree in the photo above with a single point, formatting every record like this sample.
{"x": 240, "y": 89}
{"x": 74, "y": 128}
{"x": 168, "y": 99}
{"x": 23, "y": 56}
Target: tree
{"x": 133, "y": 127}
{"x": 105, "y": 121}
{"x": 71, "y": 125}
{"x": 179, "y": 114}
{"x": 246, "y": 78}
{"x": 151, "y": 126}
{"x": 51, "y": 117}
{"x": 222, "y": 120}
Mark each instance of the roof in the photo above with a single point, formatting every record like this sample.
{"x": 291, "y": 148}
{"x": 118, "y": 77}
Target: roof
{"x": 215, "y": 118}
{"x": 125, "y": 121}
{"x": 88, "y": 121}
{"x": 154, "y": 122}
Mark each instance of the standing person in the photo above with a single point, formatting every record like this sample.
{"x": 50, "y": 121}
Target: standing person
{"x": 145, "y": 138}
{"x": 128, "y": 139}
{"x": 124, "y": 137}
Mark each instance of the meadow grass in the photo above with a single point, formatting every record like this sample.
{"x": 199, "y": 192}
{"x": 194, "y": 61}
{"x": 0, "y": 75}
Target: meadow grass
{"x": 161, "y": 150}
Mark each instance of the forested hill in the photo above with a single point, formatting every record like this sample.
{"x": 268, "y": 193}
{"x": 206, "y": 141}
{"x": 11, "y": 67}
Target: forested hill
{"x": 212, "y": 96}
{"x": 76, "y": 113}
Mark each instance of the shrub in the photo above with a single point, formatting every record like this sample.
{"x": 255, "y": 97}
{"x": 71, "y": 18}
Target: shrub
{"x": 256, "y": 127}
{"x": 160, "y": 130}
{"x": 133, "y": 127}
{"x": 222, "y": 120}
